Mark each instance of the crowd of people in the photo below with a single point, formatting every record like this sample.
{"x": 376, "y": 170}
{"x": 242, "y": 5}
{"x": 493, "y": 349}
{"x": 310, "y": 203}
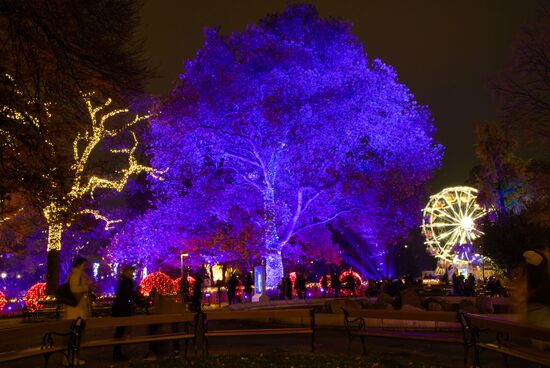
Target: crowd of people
{"x": 470, "y": 286}
{"x": 331, "y": 285}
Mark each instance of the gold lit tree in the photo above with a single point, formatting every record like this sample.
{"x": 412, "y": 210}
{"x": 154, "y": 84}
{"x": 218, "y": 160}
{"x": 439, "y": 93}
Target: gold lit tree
{"x": 61, "y": 207}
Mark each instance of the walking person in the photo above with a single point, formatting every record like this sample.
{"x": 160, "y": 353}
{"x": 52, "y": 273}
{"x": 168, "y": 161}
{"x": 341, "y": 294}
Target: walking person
{"x": 281, "y": 286}
{"x": 80, "y": 287}
{"x": 335, "y": 283}
{"x": 122, "y": 306}
{"x": 232, "y": 289}
{"x": 288, "y": 288}
{"x": 538, "y": 291}
{"x": 324, "y": 286}
{"x": 300, "y": 286}
{"x": 184, "y": 288}
{"x": 197, "y": 293}
{"x": 351, "y": 284}
{"x": 248, "y": 281}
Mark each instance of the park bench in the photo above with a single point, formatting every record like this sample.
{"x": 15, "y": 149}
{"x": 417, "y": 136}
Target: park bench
{"x": 506, "y": 337}
{"x": 174, "y": 320}
{"x": 305, "y": 318}
{"x": 52, "y": 340}
{"x": 48, "y": 309}
{"x": 416, "y": 325}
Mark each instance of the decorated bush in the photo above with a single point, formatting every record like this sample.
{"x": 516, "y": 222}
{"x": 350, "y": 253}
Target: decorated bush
{"x": 160, "y": 281}
{"x": 34, "y": 294}
{"x": 3, "y": 301}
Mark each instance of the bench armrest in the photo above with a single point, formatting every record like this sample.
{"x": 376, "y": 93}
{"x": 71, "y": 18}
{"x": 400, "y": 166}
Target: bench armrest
{"x": 353, "y": 324}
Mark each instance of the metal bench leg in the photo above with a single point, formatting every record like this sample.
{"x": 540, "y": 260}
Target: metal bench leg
{"x": 46, "y": 359}
{"x": 477, "y": 361}
{"x": 363, "y": 344}
{"x": 505, "y": 357}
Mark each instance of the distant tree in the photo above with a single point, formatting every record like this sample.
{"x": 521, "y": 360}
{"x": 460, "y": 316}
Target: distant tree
{"x": 525, "y": 86}
{"x": 538, "y": 209}
{"x": 517, "y": 193}
{"x": 502, "y": 178}
{"x": 505, "y": 240}
{"x": 22, "y": 238}
{"x": 294, "y": 122}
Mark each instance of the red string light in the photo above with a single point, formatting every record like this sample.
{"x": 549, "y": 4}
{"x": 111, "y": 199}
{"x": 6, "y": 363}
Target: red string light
{"x": 34, "y": 294}
{"x": 3, "y": 301}
{"x": 163, "y": 284}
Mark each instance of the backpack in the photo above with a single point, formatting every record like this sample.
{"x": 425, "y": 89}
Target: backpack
{"x": 64, "y": 295}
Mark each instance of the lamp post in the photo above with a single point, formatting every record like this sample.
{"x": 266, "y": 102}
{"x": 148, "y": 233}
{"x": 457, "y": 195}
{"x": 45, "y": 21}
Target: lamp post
{"x": 182, "y": 256}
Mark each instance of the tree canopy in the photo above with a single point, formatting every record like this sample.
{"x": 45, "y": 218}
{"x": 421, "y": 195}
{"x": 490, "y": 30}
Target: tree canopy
{"x": 52, "y": 52}
{"x": 290, "y": 121}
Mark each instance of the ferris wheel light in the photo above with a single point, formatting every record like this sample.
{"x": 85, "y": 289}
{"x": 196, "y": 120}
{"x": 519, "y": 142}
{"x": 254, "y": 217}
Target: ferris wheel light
{"x": 449, "y": 223}
{"x": 467, "y": 223}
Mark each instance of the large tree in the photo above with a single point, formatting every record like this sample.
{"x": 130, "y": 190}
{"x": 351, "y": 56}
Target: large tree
{"x": 52, "y": 52}
{"x": 289, "y": 117}
{"x": 104, "y": 158}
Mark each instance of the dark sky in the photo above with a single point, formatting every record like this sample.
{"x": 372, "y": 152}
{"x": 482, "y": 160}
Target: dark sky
{"x": 446, "y": 52}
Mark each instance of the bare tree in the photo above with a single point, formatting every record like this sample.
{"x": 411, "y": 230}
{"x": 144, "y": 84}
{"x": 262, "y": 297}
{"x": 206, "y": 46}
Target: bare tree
{"x": 525, "y": 87}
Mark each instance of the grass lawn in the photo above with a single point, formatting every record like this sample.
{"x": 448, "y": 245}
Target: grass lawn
{"x": 278, "y": 360}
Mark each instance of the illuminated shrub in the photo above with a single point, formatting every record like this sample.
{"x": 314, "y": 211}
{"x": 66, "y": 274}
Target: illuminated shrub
{"x": 34, "y": 294}
{"x": 160, "y": 281}
{"x": 3, "y": 301}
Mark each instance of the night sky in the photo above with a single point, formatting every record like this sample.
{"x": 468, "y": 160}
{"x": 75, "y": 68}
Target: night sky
{"x": 446, "y": 52}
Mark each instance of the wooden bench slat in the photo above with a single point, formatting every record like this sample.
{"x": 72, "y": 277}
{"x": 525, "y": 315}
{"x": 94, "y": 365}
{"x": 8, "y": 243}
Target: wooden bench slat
{"x": 135, "y": 340}
{"x": 275, "y": 331}
{"x": 105, "y": 322}
{"x": 28, "y": 353}
{"x": 512, "y": 338}
{"x": 403, "y": 315}
{"x": 519, "y": 352}
{"x": 512, "y": 327}
{"x": 259, "y": 314}
{"x": 416, "y": 335}
{"x": 37, "y": 328}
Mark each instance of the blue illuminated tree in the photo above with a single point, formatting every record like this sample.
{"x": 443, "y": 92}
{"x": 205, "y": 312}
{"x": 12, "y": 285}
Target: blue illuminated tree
{"x": 290, "y": 119}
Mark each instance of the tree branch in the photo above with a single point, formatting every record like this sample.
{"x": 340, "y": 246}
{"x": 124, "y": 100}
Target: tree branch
{"x": 330, "y": 218}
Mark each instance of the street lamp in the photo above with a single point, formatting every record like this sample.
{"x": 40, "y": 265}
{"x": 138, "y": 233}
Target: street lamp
{"x": 182, "y": 256}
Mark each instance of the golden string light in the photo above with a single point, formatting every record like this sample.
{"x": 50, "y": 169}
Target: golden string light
{"x": 84, "y": 184}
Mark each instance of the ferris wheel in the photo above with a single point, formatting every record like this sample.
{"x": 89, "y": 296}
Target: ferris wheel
{"x": 449, "y": 226}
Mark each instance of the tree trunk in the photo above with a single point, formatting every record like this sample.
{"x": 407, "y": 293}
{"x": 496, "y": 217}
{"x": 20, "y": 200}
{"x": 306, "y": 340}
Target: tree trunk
{"x": 52, "y": 272}
{"x": 52, "y": 265}
{"x": 274, "y": 261}
{"x": 387, "y": 263}
{"x": 273, "y": 268}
